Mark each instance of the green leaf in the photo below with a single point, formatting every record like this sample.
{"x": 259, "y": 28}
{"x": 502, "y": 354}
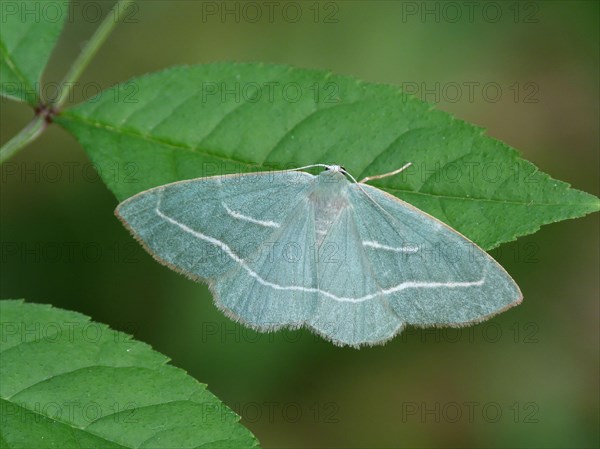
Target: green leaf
{"x": 68, "y": 382}
{"x": 189, "y": 122}
{"x": 28, "y": 33}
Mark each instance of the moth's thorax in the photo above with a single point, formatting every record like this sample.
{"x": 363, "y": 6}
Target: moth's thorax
{"x": 330, "y": 186}
{"x": 329, "y": 197}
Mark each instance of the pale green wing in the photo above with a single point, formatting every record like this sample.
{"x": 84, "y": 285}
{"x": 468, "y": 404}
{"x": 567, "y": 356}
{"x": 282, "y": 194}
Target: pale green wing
{"x": 207, "y": 226}
{"x": 351, "y": 308}
{"x": 276, "y": 284}
{"x": 430, "y": 274}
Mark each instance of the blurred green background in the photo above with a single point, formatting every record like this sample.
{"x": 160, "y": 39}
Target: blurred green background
{"x": 527, "y": 378}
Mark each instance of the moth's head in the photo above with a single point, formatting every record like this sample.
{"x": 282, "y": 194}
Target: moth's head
{"x": 335, "y": 171}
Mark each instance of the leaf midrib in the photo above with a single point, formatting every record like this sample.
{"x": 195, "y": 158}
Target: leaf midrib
{"x": 153, "y": 139}
{"x": 487, "y": 200}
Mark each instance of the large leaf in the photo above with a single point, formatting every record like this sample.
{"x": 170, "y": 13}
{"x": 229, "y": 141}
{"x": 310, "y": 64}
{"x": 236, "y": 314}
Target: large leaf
{"x": 28, "y": 33}
{"x": 66, "y": 382}
{"x": 188, "y": 122}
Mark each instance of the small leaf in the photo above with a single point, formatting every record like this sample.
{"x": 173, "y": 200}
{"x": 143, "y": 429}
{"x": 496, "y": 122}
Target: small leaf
{"x": 28, "y": 34}
{"x": 67, "y": 382}
{"x": 188, "y": 122}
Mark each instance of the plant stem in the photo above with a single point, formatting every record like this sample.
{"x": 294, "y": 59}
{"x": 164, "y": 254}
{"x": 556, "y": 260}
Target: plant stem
{"x": 26, "y": 135}
{"x": 90, "y": 50}
{"x": 40, "y": 122}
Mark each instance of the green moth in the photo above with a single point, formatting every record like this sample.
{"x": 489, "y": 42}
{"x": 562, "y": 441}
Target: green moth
{"x": 290, "y": 249}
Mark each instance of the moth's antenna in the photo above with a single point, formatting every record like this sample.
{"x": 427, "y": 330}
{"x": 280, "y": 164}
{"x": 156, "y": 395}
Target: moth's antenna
{"x": 365, "y": 192}
{"x": 349, "y": 175}
{"x": 308, "y": 166}
{"x": 302, "y": 168}
{"x": 358, "y": 184}
{"x": 385, "y": 175}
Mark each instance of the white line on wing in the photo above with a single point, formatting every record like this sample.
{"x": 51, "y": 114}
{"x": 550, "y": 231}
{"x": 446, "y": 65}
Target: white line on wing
{"x": 262, "y": 281}
{"x": 234, "y": 214}
{"x": 403, "y": 249}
